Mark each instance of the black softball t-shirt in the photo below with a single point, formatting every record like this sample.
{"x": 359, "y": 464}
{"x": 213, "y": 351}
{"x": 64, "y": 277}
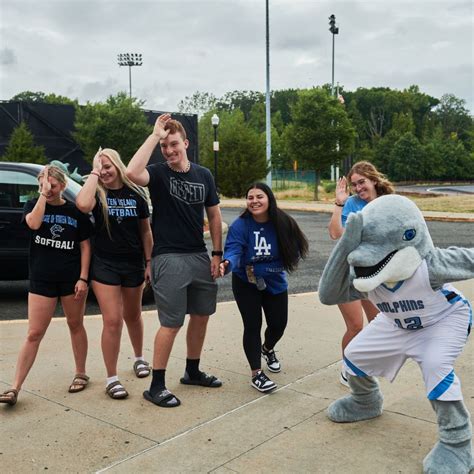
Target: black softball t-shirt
{"x": 125, "y": 210}
{"x": 55, "y": 252}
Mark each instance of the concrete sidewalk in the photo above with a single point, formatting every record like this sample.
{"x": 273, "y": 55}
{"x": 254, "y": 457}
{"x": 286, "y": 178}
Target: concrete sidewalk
{"x": 328, "y": 208}
{"x": 231, "y": 429}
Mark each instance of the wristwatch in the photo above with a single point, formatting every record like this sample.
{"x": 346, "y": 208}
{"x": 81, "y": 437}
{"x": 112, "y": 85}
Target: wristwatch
{"x": 217, "y": 253}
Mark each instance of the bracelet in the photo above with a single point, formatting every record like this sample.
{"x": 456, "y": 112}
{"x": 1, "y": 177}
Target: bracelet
{"x": 95, "y": 173}
{"x": 84, "y": 280}
{"x": 217, "y": 253}
{"x": 339, "y": 205}
{"x": 147, "y": 260}
{"x": 44, "y": 195}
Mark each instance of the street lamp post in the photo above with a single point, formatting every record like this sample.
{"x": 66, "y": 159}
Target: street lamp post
{"x": 130, "y": 60}
{"x": 268, "y": 118}
{"x": 335, "y": 31}
{"x": 215, "y": 147}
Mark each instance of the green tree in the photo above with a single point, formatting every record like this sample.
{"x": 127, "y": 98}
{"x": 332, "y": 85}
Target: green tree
{"x": 199, "y": 103}
{"x": 408, "y": 159}
{"x": 242, "y": 100}
{"x": 321, "y": 133}
{"x": 21, "y": 147}
{"x": 459, "y": 163}
{"x": 454, "y": 117}
{"x": 41, "y": 97}
{"x": 282, "y": 101}
{"x": 433, "y": 147}
{"x": 242, "y": 152}
{"x": 118, "y": 123}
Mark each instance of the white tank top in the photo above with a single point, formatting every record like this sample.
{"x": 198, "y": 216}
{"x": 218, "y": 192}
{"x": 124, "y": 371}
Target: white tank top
{"x": 413, "y": 304}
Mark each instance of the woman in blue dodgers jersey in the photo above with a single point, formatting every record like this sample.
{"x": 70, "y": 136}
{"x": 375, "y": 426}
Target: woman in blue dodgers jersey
{"x": 121, "y": 259}
{"x": 59, "y": 259}
{"x": 262, "y": 244}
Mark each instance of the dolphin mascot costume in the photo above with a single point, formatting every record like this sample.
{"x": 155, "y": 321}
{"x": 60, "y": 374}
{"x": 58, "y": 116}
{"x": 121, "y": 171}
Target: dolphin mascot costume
{"x": 386, "y": 255}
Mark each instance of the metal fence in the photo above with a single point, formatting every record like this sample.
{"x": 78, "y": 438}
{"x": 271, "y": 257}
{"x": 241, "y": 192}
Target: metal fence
{"x": 282, "y": 180}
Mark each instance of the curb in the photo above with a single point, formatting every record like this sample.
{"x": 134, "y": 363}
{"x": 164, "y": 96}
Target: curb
{"x": 302, "y": 208}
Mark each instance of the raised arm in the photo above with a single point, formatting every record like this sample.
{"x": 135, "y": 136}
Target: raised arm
{"x": 136, "y": 169}
{"x": 335, "y": 285}
{"x": 335, "y": 224}
{"x": 85, "y": 200}
{"x": 448, "y": 265}
{"x": 35, "y": 218}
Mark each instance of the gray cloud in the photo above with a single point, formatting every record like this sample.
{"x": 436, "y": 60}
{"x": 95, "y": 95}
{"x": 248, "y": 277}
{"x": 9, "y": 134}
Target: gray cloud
{"x": 212, "y": 45}
{"x": 7, "y": 57}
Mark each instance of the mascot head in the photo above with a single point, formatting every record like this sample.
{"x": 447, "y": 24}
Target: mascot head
{"x": 394, "y": 241}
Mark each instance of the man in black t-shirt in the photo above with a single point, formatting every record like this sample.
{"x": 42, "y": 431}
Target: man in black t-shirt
{"x": 183, "y": 277}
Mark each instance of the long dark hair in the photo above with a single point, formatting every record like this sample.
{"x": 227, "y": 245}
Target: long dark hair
{"x": 292, "y": 243}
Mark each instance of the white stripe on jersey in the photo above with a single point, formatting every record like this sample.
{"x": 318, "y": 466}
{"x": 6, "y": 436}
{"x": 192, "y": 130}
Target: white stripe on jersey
{"x": 413, "y": 304}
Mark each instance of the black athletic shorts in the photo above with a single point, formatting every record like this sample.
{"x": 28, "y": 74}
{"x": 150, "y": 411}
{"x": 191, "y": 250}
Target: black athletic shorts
{"x": 129, "y": 273}
{"x": 52, "y": 289}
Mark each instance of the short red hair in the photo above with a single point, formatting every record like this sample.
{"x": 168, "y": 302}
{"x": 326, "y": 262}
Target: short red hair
{"x": 176, "y": 127}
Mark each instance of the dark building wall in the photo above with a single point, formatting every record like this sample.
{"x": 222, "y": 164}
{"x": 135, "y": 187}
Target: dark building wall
{"x": 52, "y": 124}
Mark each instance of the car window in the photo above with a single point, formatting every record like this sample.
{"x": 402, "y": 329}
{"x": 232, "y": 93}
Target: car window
{"x": 16, "y": 188}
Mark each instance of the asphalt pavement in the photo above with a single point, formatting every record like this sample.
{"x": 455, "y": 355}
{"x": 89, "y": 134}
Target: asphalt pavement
{"x": 314, "y": 223}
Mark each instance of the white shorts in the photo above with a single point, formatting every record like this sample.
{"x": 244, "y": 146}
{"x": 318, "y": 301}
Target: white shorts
{"x": 382, "y": 348}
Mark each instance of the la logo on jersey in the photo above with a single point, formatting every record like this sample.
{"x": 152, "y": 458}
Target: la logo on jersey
{"x": 261, "y": 246}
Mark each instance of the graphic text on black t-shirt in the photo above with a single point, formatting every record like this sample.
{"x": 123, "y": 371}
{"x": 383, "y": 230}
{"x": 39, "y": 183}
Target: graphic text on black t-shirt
{"x": 120, "y": 208}
{"x": 56, "y": 231}
{"x": 191, "y": 193}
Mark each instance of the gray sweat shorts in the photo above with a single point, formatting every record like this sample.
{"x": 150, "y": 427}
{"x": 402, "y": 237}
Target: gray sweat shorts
{"x": 182, "y": 284}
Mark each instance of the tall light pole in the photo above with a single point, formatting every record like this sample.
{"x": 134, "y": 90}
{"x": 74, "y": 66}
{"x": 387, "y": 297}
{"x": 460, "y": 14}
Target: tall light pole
{"x": 130, "y": 60}
{"x": 335, "y": 31}
{"x": 215, "y": 147}
{"x": 268, "y": 119}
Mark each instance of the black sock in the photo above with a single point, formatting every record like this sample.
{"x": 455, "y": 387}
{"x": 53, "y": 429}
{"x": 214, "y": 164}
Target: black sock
{"x": 157, "y": 381}
{"x": 192, "y": 368}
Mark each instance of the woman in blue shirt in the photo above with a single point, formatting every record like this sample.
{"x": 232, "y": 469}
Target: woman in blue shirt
{"x": 367, "y": 183}
{"x": 262, "y": 245}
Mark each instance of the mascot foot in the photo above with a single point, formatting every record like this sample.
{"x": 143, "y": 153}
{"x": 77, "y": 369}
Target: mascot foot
{"x": 365, "y": 402}
{"x": 452, "y": 454}
{"x": 443, "y": 459}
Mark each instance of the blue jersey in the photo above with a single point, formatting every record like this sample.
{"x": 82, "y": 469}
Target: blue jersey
{"x": 250, "y": 243}
{"x": 353, "y": 204}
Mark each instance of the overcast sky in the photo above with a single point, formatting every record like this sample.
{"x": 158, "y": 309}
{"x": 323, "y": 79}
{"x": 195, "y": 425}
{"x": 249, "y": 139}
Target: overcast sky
{"x": 70, "y": 47}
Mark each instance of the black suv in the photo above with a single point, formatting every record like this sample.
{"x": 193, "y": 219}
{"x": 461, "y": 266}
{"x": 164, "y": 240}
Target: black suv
{"x": 18, "y": 184}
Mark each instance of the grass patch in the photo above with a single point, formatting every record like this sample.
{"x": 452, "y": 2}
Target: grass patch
{"x": 457, "y": 203}
{"x": 442, "y": 203}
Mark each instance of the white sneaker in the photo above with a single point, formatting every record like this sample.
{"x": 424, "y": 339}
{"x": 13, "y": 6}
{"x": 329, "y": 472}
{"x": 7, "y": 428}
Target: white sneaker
{"x": 262, "y": 383}
{"x": 270, "y": 357}
{"x": 343, "y": 379}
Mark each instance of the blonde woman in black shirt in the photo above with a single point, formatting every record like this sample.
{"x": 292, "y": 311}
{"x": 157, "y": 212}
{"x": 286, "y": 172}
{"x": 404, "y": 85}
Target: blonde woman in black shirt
{"x": 121, "y": 259}
{"x": 59, "y": 259}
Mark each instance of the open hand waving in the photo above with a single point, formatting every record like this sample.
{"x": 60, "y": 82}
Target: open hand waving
{"x": 341, "y": 191}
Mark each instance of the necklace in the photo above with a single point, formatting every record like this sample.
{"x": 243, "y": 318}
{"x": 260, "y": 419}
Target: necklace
{"x": 186, "y": 169}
